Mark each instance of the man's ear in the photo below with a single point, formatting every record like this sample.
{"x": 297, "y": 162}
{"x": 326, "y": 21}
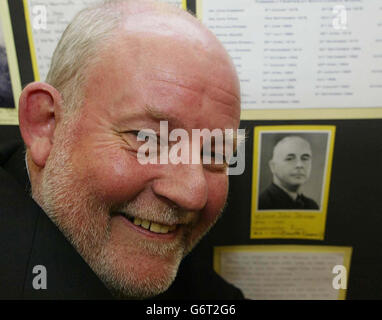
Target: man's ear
{"x": 39, "y": 111}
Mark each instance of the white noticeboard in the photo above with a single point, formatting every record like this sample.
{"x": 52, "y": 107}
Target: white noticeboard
{"x": 48, "y": 20}
{"x": 285, "y": 272}
{"x": 302, "y": 54}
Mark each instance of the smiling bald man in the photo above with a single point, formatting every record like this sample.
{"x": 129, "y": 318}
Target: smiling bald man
{"x": 100, "y": 223}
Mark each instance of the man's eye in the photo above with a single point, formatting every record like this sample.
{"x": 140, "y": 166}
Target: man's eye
{"x": 137, "y": 138}
{"x": 130, "y": 137}
{"x": 135, "y": 133}
{"x": 216, "y": 167}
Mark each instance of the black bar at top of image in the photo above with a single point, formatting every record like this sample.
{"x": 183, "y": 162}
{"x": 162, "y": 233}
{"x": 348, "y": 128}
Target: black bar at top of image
{"x": 16, "y": 11}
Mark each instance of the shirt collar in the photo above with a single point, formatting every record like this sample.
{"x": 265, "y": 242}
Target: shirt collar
{"x": 293, "y": 195}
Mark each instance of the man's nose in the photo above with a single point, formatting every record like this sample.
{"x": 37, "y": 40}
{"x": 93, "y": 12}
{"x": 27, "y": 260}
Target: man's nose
{"x": 184, "y": 185}
{"x": 299, "y": 163}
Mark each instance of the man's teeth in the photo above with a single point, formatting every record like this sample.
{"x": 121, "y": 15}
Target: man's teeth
{"x": 153, "y": 227}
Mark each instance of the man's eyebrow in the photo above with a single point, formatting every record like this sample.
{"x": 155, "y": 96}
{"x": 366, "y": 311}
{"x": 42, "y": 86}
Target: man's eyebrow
{"x": 154, "y": 113}
{"x": 293, "y": 155}
{"x": 159, "y": 115}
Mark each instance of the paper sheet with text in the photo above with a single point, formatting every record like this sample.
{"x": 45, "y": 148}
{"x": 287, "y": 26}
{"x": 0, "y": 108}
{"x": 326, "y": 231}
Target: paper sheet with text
{"x": 10, "y": 82}
{"x": 284, "y": 223}
{"x": 302, "y": 53}
{"x": 285, "y": 272}
{"x": 44, "y": 37}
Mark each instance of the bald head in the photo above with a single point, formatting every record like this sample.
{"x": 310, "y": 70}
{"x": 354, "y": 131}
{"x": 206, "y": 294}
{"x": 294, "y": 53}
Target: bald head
{"x": 290, "y": 142}
{"x": 153, "y": 17}
{"x": 99, "y": 28}
{"x": 291, "y": 162}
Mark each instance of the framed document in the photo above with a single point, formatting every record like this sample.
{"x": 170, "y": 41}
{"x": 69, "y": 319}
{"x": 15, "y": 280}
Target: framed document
{"x": 10, "y": 84}
{"x": 291, "y": 179}
{"x": 302, "y": 59}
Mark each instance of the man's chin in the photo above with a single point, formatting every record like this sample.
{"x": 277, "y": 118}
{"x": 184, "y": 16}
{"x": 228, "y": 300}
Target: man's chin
{"x": 141, "y": 288}
{"x": 136, "y": 275}
{"x": 293, "y": 185}
{"x": 137, "y": 285}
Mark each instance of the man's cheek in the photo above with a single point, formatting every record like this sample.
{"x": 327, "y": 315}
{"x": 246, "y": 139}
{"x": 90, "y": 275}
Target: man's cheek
{"x": 217, "y": 197}
{"x": 206, "y": 220}
{"x": 113, "y": 180}
{"x": 218, "y": 193}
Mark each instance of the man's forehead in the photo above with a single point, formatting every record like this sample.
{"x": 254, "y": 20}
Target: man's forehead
{"x": 159, "y": 18}
{"x": 157, "y": 63}
{"x": 292, "y": 145}
{"x": 142, "y": 70}
{"x": 165, "y": 52}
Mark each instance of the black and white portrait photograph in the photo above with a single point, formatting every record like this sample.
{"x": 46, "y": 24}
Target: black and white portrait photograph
{"x": 292, "y": 168}
{"x": 6, "y": 95}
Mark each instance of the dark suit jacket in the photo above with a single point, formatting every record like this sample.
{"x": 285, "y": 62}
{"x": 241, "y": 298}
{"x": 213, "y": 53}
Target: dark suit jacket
{"x": 275, "y": 198}
{"x": 29, "y": 238}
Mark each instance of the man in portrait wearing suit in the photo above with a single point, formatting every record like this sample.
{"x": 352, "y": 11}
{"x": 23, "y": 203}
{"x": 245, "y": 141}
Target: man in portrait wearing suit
{"x": 290, "y": 166}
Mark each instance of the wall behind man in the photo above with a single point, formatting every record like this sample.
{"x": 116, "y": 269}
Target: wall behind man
{"x": 354, "y": 209}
